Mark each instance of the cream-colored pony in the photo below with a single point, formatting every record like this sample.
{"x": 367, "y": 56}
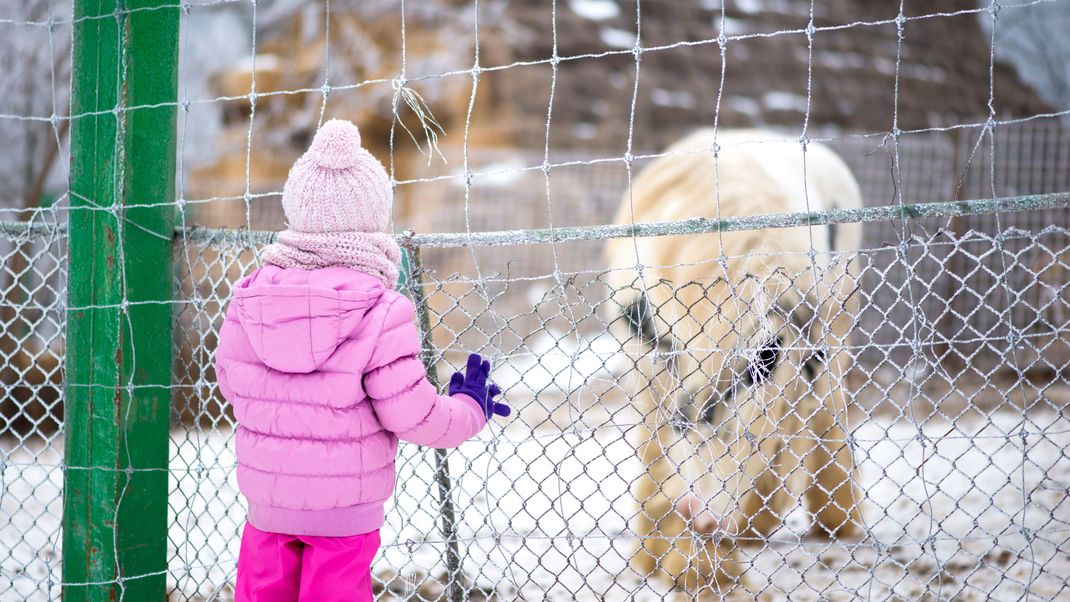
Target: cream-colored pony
{"x": 739, "y": 340}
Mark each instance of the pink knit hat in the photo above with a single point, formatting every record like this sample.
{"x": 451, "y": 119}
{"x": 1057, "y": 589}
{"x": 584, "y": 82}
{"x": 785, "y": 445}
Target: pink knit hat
{"x": 337, "y": 204}
{"x": 337, "y": 185}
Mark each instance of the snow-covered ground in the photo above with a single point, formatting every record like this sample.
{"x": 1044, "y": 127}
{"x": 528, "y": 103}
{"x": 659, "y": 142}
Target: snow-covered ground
{"x": 542, "y": 504}
{"x": 542, "y": 514}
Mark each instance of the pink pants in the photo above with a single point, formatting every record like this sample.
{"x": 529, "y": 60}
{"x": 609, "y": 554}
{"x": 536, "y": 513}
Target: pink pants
{"x": 289, "y": 568}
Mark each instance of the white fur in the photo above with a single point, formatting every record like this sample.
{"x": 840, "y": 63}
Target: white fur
{"x": 718, "y": 299}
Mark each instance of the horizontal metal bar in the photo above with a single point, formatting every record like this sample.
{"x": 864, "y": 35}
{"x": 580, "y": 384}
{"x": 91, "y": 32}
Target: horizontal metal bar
{"x": 15, "y": 229}
{"x": 229, "y": 236}
{"x": 702, "y": 225}
{"x": 697, "y": 225}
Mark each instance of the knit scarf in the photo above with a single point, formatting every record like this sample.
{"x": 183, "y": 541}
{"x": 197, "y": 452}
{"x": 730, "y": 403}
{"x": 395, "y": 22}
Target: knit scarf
{"x": 374, "y": 253}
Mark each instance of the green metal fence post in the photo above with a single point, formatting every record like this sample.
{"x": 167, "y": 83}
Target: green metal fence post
{"x": 410, "y": 282}
{"x": 118, "y": 361}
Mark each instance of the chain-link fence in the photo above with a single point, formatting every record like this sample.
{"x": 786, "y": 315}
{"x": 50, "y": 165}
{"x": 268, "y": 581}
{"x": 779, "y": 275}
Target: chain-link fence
{"x": 943, "y": 387}
{"x": 31, "y": 412}
{"x": 959, "y": 439}
{"x": 546, "y": 501}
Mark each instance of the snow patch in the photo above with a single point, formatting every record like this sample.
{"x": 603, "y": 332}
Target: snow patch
{"x": 751, "y": 7}
{"x": 595, "y": 10}
{"x": 617, "y": 38}
{"x": 584, "y": 130}
{"x": 680, "y": 99}
{"x": 784, "y": 101}
{"x": 745, "y": 105}
{"x": 787, "y": 7}
{"x": 560, "y": 362}
{"x": 840, "y": 60}
{"x": 733, "y": 27}
{"x": 924, "y": 72}
{"x": 884, "y": 65}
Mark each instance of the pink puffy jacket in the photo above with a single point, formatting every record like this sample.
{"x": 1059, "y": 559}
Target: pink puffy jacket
{"x": 323, "y": 371}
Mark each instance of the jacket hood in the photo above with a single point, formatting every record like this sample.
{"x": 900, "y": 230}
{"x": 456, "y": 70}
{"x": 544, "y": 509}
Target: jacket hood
{"x": 295, "y": 319}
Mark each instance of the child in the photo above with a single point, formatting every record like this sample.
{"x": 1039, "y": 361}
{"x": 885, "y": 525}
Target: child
{"x": 319, "y": 357}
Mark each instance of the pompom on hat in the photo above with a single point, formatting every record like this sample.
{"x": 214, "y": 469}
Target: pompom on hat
{"x": 337, "y": 201}
{"x": 336, "y": 145}
{"x": 337, "y": 185}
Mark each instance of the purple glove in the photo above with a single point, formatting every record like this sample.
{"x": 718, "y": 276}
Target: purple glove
{"x": 473, "y": 383}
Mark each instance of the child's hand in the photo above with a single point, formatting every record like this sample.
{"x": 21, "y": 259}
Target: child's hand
{"x": 473, "y": 383}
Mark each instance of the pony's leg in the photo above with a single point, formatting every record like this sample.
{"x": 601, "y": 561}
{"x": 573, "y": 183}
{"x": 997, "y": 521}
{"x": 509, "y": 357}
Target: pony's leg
{"x": 832, "y": 496}
{"x": 763, "y": 506}
{"x": 667, "y": 544}
{"x": 766, "y": 458}
{"x": 652, "y": 504}
{"x": 695, "y": 562}
{"x": 761, "y": 490}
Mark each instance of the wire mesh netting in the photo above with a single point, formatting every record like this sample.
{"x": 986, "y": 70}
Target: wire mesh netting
{"x": 694, "y": 417}
{"x": 947, "y": 440}
{"x": 32, "y": 409}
